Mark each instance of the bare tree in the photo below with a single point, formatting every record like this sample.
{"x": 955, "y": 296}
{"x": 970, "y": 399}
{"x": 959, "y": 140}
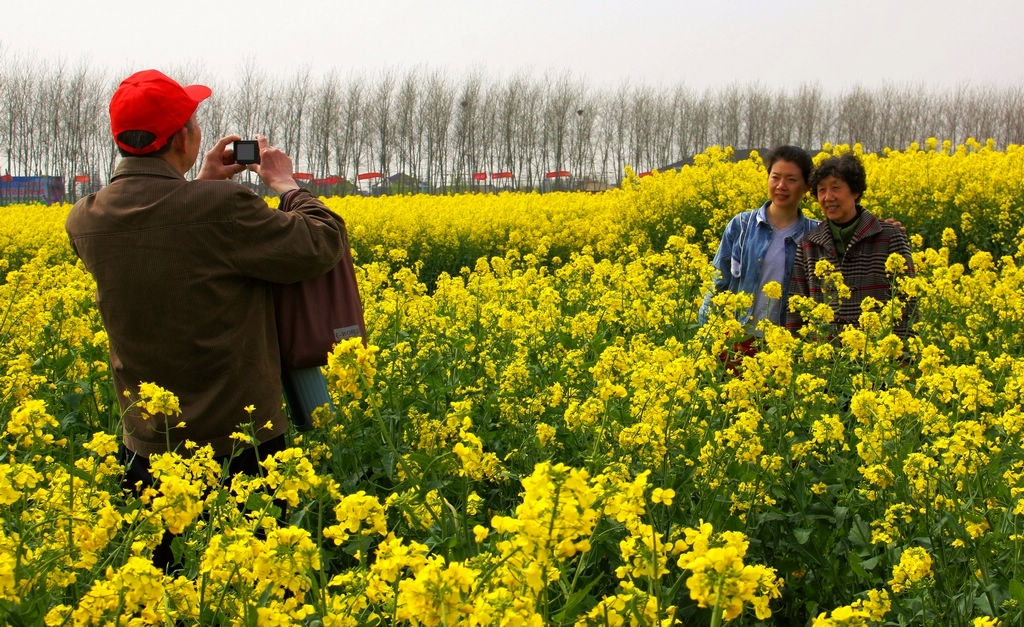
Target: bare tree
{"x": 911, "y": 121}
{"x": 617, "y": 119}
{"x": 293, "y": 110}
{"x": 529, "y": 167}
{"x": 247, "y": 101}
{"x": 18, "y": 93}
{"x": 409, "y": 132}
{"x": 323, "y": 123}
{"x": 781, "y": 121}
{"x": 350, "y": 137}
{"x": 951, "y": 112}
{"x": 563, "y": 96}
{"x": 80, "y": 112}
{"x": 809, "y": 115}
{"x": 53, "y": 120}
{"x": 582, "y": 161}
{"x": 681, "y": 104}
{"x": 758, "y": 109}
{"x": 488, "y": 128}
{"x": 982, "y": 113}
{"x": 465, "y": 129}
{"x": 899, "y": 110}
{"x": 856, "y": 118}
{"x": 379, "y": 123}
{"x": 438, "y": 100}
{"x": 508, "y": 107}
{"x": 641, "y": 127}
{"x": 1012, "y": 114}
{"x": 728, "y": 117}
{"x": 663, "y": 137}
{"x": 703, "y": 115}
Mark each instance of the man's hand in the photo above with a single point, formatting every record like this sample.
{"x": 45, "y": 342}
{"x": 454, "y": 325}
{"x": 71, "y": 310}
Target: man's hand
{"x": 275, "y": 167}
{"x": 219, "y": 162}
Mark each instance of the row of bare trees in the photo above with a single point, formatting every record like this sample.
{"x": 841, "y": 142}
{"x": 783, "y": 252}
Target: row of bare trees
{"x": 439, "y": 131}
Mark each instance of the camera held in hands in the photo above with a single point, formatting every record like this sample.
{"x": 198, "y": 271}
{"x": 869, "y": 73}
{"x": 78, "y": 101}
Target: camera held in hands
{"x": 247, "y": 151}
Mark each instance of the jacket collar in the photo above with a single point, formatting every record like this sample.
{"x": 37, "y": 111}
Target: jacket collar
{"x": 145, "y": 166}
{"x": 868, "y": 227}
{"x": 805, "y": 223}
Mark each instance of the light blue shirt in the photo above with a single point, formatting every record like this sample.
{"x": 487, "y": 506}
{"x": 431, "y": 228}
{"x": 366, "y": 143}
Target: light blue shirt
{"x": 741, "y": 254}
{"x": 773, "y": 268}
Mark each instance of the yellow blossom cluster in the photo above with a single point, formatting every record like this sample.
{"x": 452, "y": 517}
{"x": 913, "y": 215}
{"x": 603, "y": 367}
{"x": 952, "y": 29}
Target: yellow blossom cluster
{"x": 915, "y": 565}
{"x": 719, "y": 577}
{"x": 538, "y": 427}
{"x": 860, "y": 613}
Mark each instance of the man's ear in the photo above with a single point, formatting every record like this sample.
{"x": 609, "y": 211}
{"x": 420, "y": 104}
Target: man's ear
{"x": 177, "y": 141}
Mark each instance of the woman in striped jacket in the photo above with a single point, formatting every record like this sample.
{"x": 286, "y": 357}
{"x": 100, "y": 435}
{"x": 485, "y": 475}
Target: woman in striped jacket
{"x": 854, "y": 241}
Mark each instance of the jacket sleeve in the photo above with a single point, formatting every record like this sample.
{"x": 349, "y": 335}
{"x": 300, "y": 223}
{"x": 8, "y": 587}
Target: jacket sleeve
{"x": 284, "y": 247}
{"x": 797, "y": 287}
{"x": 723, "y": 266}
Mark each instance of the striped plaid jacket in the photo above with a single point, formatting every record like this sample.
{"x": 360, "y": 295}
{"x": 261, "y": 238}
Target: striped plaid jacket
{"x": 862, "y": 266}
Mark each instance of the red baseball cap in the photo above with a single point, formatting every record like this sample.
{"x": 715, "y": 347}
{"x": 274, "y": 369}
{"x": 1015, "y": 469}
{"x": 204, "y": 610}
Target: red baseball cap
{"x": 151, "y": 101}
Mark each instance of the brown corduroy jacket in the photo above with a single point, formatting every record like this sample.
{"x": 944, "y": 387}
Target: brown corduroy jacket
{"x": 862, "y": 267}
{"x": 183, "y": 274}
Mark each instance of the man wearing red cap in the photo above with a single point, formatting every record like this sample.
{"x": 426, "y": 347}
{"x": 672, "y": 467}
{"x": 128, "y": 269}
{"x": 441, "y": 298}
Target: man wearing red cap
{"x": 184, "y": 271}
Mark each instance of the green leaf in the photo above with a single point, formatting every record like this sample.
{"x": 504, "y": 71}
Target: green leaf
{"x": 860, "y": 533}
{"x": 984, "y": 605}
{"x": 855, "y": 565}
{"x": 1017, "y": 590}
{"x": 840, "y": 514}
{"x": 802, "y": 535}
{"x": 571, "y": 608}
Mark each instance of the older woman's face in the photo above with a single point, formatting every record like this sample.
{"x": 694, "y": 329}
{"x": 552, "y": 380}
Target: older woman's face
{"x": 837, "y": 200}
{"x": 786, "y": 185}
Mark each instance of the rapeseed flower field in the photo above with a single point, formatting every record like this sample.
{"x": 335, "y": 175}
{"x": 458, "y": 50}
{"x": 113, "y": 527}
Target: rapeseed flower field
{"x": 540, "y": 433}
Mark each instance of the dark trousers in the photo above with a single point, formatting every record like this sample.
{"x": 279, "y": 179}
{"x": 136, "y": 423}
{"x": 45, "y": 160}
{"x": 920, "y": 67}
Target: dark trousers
{"x": 137, "y": 477}
{"x": 304, "y": 391}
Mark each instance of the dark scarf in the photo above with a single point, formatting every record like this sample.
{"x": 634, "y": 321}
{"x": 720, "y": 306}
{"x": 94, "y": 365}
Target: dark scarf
{"x": 843, "y": 233}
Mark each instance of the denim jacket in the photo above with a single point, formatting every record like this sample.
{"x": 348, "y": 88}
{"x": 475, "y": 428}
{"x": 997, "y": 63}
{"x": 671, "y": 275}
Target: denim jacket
{"x": 738, "y": 260}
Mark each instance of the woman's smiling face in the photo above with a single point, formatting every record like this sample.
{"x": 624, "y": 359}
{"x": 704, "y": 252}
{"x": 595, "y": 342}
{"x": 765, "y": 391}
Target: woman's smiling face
{"x": 786, "y": 184}
{"x": 837, "y": 200}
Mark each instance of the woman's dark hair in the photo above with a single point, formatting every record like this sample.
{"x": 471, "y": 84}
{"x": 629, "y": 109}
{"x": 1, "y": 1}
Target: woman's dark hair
{"x": 794, "y": 155}
{"x": 846, "y": 168}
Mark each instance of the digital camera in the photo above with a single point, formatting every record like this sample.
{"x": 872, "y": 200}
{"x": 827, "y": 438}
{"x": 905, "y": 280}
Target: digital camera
{"x": 247, "y": 151}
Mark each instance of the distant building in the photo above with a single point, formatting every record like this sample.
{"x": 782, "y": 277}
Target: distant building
{"x": 28, "y": 189}
{"x": 594, "y": 185}
{"x": 400, "y": 183}
{"x": 737, "y": 155}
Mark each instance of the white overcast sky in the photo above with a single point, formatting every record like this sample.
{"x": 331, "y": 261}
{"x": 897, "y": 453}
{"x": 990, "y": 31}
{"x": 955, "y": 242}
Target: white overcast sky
{"x": 707, "y": 44}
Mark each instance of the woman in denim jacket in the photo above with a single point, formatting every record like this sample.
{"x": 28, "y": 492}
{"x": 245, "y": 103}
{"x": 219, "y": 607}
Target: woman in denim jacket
{"x": 759, "y": 246}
